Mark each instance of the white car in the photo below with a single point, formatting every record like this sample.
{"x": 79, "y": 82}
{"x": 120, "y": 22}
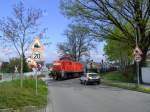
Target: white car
{"x": 90, "y": 78}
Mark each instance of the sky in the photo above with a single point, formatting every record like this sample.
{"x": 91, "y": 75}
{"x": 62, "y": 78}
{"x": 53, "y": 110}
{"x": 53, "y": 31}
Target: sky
{"x": 53, "y": 20}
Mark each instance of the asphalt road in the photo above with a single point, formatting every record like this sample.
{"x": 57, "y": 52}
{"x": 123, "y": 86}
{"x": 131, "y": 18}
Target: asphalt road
{"x": 71, "y": 96}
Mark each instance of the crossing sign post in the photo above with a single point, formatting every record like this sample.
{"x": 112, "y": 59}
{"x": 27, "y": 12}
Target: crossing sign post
{"x": 137, "y": 57}
{"x": 37, "y": 49}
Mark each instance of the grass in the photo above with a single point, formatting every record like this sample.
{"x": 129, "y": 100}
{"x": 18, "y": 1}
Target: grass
{"x": 129, "y": 86}
{"x": 115, "y": 76}
{"x": 116, "y": 79}
{"x": 12, "y": 96}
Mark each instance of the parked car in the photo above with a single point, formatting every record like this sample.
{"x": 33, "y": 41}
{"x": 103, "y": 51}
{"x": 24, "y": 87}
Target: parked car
{"x": 90, "y": 78}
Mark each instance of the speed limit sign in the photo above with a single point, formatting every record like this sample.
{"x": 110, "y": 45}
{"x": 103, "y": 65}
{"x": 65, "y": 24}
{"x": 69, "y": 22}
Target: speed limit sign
{"x": 36, "y": 56}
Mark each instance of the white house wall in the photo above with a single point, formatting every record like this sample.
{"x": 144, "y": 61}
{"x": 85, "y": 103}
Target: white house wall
{"x": 146, "y": 74}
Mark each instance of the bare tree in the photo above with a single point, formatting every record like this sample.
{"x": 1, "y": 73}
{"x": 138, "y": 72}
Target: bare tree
{"x": 19, "y": 29}
{"x": 102, "y": 16}
{"x": 78, "y": 42}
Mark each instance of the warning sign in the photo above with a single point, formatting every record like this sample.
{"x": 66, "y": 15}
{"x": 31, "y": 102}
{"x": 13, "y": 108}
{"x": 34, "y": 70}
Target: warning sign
{"x": 37, "y": 49}
{"x": 137, "y": 54}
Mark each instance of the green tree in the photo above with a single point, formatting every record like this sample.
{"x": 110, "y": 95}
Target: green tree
{"x": 4, "y": 67}
{"x": 119, "y": 52}
{"x": 25, "y": 66}
{"x": 102, "y": 16}
{"x": 9, "y": 67}
{"x": 16, "y": 62}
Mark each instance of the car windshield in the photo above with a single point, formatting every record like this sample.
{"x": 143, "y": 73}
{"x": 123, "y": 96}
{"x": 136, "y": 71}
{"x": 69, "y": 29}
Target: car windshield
{"x": 92, "y": 75}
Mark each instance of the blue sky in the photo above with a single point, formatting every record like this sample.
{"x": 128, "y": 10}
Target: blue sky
{"x": 53, "y": 20}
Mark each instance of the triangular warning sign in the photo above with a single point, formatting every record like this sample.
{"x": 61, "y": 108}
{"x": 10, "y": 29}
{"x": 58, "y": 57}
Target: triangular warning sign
{"x": 36, "y": 45}
{"x": 137, "y": 51}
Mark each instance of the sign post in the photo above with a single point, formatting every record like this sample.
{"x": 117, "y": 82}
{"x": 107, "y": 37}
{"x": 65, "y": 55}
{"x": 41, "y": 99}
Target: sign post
{"x": 36, "y": 85}
{"x": 36, "y": 82}
{"x": 138, "y": 73}
{"x": 37, "y": 50}
{"x": 137, "y": 57}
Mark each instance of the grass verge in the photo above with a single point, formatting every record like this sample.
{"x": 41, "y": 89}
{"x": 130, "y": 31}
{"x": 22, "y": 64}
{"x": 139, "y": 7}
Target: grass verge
{"x": 116, "y": 79}
{"x": 115, "y": 76}
{"x": 12, "y": 96}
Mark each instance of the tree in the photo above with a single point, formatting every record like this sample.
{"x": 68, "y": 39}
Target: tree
{"x": 78, "y": 42}
{"x": 19, "y": 29}
{"x": 118, "y": 51}
{"x": 122, "y": 55}
{"x": 16, "y": 62}
{"x": 102, "y": 16}
{"x": 4, "y": 67}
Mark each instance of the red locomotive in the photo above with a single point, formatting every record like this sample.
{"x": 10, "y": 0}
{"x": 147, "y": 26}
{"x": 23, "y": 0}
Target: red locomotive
{"x": 65, "y": 68}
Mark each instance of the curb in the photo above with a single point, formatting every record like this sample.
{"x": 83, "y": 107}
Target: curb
{"x": 49, "y": 107}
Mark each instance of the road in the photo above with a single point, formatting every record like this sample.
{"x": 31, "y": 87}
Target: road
{"x": 71, "y": 96}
